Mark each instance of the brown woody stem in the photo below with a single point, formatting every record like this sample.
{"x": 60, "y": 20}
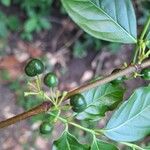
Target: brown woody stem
{"x": 34, "y": 111}
{"x": 45, "y": 106}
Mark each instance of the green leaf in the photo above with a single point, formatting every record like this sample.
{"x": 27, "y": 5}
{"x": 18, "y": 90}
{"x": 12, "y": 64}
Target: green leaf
{"x": 13, "y": 23}
{"x": 3, "y": 30}
{"x": 45, "y": 24}
{"x": 101, "y": 145}
{"x": 104, "y": 19}
{"x": 131, "y": 122}
{"x": 79, "y": 50}
{"x": 99, "y": 100}
{"x": 31, "y": 24}
{"x": 68, "y": 142}
{"x": 6, "y": 2}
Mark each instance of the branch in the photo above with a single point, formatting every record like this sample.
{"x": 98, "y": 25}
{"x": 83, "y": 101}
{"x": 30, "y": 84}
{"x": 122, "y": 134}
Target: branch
{"x": 111, "y": 77}
{"x": 34, "y": 111}
{"x": 45, "y": 106}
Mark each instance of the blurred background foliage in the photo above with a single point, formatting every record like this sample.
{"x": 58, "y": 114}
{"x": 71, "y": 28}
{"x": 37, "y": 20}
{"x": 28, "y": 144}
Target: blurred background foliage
{"x": 27, "y": 20}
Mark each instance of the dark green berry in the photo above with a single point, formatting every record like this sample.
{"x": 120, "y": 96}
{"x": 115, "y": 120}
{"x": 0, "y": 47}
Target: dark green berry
{"x": 51, "y": 80}
{"x": 119, "y": 79}
{"x": 34, "y": 67}
{"x": 78, "y": 103}
{"x": 46, "y": 128}
{"x": 145, "y": 74}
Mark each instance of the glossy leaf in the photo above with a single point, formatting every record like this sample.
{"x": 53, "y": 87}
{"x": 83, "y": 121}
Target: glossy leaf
{"x": 131, "y": 122}
{"x": 6, "y": 2}
{"x": 99, "y": 100}
{"x": 101, "y": 145}
{"x": 104, "y": 19}
{"x": 68, "y": 142}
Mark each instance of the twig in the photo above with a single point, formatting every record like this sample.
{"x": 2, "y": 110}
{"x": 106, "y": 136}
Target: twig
{"x": 45, "y": 106}
{"x": 70, "y": 42}
{"x": 34, "y": 111}
{"x": 126, "y": 71}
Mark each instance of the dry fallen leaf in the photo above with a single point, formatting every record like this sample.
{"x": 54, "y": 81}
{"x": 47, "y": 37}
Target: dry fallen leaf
{"x": 9, "y": 62}
{"x": 12, "y": 65}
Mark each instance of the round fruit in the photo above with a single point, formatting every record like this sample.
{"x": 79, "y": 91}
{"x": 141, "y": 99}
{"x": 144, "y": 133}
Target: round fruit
{"x": 78, "y": 103}
{"x": 46, "y": 128}
{"x": 34, "y": 67}
{"x": 146, "y": 74}
{"x": 51, "y": 80}
{"x": 119, "y": 79}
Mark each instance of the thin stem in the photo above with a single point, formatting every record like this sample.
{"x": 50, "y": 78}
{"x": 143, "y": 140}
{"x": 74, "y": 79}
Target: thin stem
{"x": 83, "y": 128}
{"x": 132, "y": 146}
{"x": 38, "y": 82}
{"x": 57, "y": 94}
{"x": 32, "y": 86}
{"x": 60, "y": 118}
{"x": 145, "y": 29}
{"x": 138, "y": 46}
{"x": 148, "y": 53}
{"x": 88, "y": 86}
{"x": 65, "y": 121}
{"x": 62, "y": 98}
{"x": 136, "y": 54}
{"x": 48, "y": 98}
{"x": 30, "y": 93}
{"x": 59, "y": 111}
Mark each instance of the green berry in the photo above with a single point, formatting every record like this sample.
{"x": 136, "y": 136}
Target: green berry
{"x": 119, "y": 79}
{"x": 146, "y": 74}
{"x": 46, "y": 128}
{"x": 51, "y": 80}
{"x": 78, "y": 103}
{"x": 34, "y": 67}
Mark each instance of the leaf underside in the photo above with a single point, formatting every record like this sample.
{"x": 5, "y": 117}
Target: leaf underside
{"x": 131, "y": 122}
{"x": 100, "y": 100}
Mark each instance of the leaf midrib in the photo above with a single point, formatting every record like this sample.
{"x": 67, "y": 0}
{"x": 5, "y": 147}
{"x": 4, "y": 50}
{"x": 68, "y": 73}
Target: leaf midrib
{"x": 109, "y": 130}
{"x": 96, "y": 144}
{"x": 68, "y": 142}
{"x": 97, "y": 99}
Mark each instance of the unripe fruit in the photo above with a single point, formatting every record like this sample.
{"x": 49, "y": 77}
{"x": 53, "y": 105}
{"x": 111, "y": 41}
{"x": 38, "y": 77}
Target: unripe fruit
{"x": 46, "y": 128}
{"x": 51, "y": 80}
{"x": 78, "y": 103}
{"x": 145, "y": 74}
{"x": 34, "y": 67}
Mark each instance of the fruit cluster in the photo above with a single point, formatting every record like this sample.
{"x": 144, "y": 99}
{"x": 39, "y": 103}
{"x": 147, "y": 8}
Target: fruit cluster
{"x": 35, "y": 67}
{"x": 78, "y": 104}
